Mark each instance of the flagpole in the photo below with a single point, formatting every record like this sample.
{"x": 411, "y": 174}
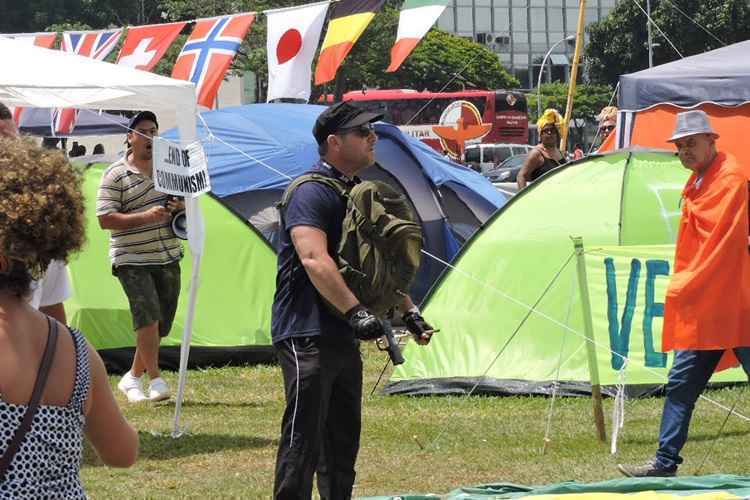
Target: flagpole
{"x": 573, "y": 76}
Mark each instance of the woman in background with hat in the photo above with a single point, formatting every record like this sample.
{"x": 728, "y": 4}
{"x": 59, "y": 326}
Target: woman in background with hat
{"x": 607, "y": 119}
{"x": 546, "y": 155}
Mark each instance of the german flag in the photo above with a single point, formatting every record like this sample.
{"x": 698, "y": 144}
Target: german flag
{"x": 348, "y": 20}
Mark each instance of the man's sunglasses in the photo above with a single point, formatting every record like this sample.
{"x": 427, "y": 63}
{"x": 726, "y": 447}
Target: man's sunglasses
{"x": 608, "y": 128}
{"x": 363, "y": 130}
{"x": 550, "y": 130}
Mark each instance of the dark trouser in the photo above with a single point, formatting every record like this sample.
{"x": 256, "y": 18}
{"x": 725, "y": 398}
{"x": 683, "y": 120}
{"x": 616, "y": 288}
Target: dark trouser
{"x": 688, "y": 377}
{"x": 321, "y": 424}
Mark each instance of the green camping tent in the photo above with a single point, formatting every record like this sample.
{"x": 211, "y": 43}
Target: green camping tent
{"x": 233, "y": 313}
{"x": 510, "y": 311}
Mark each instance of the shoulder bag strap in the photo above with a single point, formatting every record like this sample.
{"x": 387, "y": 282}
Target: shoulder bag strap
{"x": 41, "y": 381}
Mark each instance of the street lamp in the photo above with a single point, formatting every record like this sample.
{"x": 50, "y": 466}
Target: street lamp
{"x": 541, "y": 70}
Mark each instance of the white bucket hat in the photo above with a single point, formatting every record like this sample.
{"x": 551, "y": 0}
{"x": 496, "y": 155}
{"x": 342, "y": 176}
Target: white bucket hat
{"x": 691, "y": 123}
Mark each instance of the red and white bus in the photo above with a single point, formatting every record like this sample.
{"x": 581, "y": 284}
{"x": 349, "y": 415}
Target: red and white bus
{"x": 448, "y": 121}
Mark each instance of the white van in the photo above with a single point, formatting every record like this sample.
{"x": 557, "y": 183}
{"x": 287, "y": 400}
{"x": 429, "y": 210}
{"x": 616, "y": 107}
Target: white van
{"x": 484, "y": 157}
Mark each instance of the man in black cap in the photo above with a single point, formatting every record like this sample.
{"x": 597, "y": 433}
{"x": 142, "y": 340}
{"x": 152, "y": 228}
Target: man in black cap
{"x": 144, "y": 251}
{"x": 317, "y": 349}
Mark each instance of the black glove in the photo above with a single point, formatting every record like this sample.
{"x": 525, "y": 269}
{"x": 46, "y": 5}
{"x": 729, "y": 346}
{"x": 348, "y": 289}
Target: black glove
{"x": 366, "y": 325}
{"x": 416, "y": 323}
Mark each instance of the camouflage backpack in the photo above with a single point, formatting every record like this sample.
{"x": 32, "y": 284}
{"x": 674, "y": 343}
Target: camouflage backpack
{"x": 381, "y": 240}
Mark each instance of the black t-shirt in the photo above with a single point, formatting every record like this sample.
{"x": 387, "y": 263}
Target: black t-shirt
{"x": 298, "y": 309}
{"x": 549, "y": 164}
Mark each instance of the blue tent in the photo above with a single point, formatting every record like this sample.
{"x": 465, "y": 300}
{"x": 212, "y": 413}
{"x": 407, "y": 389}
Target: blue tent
{"x": 255, "y": 150}
{"x": 38, "y": 121}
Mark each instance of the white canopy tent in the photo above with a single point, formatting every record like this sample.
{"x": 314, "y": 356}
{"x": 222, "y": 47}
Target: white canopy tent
{"x": 38, "y": 77}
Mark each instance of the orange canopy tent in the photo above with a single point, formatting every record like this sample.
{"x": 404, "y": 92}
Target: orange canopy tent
{"x": 717, "y": 82}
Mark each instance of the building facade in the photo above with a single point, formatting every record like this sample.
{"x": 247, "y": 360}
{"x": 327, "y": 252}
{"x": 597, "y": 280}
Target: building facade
{"x": 522, "y": 31}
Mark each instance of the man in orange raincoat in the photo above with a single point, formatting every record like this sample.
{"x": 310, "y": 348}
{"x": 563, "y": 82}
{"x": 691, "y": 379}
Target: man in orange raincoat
{"x": 707, "y": 308}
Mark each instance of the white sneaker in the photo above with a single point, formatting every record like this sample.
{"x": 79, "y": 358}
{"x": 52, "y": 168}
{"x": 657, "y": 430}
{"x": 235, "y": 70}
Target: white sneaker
{"x": 130, "y": 385}
{"x": 158, "y": 390}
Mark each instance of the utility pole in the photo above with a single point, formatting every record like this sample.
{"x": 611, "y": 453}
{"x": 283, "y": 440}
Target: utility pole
{"x": 142, "y": 12}
{"x": 650, "y": 41}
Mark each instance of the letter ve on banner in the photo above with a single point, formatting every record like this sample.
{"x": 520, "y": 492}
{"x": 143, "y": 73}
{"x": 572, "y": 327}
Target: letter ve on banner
{"x": 178, "y": 171}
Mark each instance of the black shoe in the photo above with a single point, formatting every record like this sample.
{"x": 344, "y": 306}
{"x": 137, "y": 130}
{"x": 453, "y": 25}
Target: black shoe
{"x": 649, "y": 469}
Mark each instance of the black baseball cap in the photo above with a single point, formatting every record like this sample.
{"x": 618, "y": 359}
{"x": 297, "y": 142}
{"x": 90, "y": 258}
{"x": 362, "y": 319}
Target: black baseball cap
{"x": 341, "y": 115}
{"x": 140, "y": 116}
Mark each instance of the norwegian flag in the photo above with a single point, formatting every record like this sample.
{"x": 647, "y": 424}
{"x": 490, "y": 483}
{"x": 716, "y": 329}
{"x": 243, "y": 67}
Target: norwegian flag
{"x": 209, "y": 51}
{"x": 93, "y": 44}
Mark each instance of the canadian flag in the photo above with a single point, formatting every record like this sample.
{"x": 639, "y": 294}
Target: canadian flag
{"x": 293, "y": 36}
{"x": 144, "y": 46}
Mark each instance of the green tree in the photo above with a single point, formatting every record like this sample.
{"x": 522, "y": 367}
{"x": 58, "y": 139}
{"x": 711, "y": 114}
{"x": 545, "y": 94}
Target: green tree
{"x": 587, "y": 103}
{"x": 39, "y": 15}
{"x": 440, "y": 61}
{"x": 618, "y": 44}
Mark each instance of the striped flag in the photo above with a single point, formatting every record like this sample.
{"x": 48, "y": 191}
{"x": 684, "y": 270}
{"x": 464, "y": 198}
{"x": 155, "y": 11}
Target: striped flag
{"x": 349, "y": 18}
{"x": 209, "y": 51}
{"x": 94, "y": 44}
{"x": 416, "y": 19}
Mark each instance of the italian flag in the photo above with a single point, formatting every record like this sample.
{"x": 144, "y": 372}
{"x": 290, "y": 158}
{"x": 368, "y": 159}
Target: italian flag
{"x": 416, "y": 19}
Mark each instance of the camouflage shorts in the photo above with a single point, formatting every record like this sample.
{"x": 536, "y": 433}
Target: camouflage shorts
{"x": 152, "y": 292}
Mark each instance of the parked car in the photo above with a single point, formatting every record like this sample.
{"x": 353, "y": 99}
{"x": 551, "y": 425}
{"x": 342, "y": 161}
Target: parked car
{"x": 484, "y": 157}
{"x": 508, "y": 170}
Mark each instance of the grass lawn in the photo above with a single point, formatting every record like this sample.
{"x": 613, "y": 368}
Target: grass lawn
{"x": 409, "y": 444}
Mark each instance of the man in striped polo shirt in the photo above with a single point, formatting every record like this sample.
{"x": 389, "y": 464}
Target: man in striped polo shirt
{"x": 144, "y": 251}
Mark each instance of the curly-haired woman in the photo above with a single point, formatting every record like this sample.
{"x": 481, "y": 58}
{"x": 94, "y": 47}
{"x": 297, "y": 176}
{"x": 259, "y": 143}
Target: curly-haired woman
{"x": 41, "y": 219}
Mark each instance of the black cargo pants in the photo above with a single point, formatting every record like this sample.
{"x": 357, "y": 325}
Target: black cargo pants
{"x": 322, "y": 420}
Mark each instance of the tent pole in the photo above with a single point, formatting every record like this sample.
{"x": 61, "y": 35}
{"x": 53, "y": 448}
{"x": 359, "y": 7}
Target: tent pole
{"x": 573, "y": 75}
{"x": 588, "y": 329}
{"x": 186, "y": 119}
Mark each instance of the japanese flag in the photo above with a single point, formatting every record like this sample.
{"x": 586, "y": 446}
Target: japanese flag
{"x": 293, "y": 36}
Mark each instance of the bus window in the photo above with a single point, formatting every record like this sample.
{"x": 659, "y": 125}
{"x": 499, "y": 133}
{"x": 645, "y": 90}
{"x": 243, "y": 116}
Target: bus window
{"x": 509, "y": 101}
{"x": 472, "y": 157}
{"x": 478, "y": 102}
{"x": 372, "y": 106}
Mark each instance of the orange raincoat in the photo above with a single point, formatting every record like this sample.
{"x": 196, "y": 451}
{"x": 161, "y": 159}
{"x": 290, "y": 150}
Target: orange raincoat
{"x": 708, "y": 299}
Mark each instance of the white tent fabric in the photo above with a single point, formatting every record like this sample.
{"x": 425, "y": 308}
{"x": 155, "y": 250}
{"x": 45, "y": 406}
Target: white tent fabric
{"x": 38, "y": 77}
